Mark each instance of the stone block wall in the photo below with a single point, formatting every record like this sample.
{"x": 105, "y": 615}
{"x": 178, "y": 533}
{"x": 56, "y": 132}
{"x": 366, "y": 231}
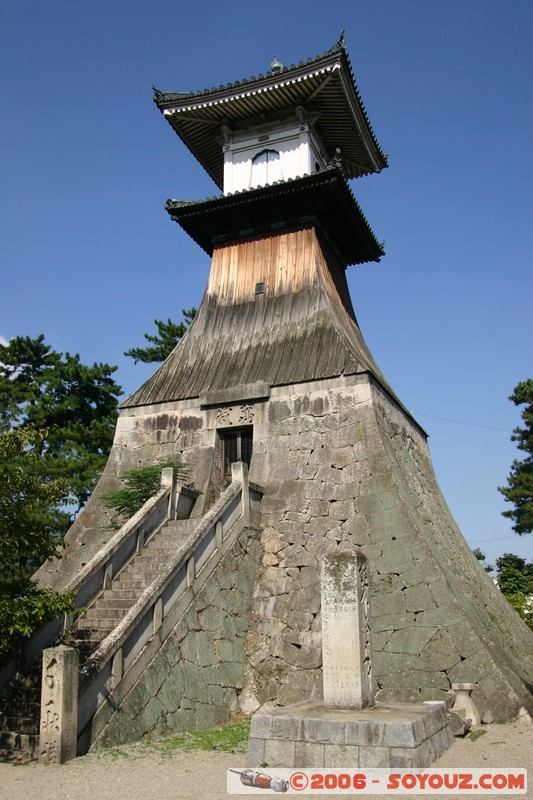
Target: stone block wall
{"x": 342, "y": 466}
{"x": 195, "y": 679}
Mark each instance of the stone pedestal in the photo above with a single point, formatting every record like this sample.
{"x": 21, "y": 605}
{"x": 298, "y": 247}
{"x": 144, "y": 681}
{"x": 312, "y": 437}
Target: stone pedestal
{"x": 464, "y": 705}
{"x": 311, "y": 734}
{"x": 59, "y": 705}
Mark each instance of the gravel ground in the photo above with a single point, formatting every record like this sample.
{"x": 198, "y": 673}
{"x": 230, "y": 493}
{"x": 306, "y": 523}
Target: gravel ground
{"x": 133, "y": 773}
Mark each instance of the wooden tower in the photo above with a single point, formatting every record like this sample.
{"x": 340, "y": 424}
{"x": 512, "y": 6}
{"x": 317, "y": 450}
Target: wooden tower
{"x": 274, "y": 371}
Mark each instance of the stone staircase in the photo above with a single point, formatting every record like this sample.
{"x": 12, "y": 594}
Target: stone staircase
{"x": 19, "y": 717}
{"x": 112, "y": 605}
{"x": 20, "y": 700}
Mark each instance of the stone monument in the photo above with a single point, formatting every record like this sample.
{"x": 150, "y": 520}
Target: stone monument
{"x": 346, "y": 636}
{"x": 348, "y": 729}
{"x": 59, "y": 705}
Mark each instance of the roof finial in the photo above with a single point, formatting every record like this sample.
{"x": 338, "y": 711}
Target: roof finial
{"x": 276, "y": 66}
{"x": 341, "y": 39}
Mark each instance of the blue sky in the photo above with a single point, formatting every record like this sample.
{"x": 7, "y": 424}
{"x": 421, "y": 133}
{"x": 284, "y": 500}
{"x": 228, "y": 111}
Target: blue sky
{"x": 89, "y": 257}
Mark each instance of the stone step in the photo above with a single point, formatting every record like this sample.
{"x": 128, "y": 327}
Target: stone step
{"x": 112, "y": 601}
{"x": 144, "y": 565}
{"x": 90, "y": 632}
{"x": 15, "y": 742}
{"x": 97, "y": 614}
{"x": 21, "y": 724}
{"x": 180, "y": 527}
{"x": 164, "y": 549}
{"x": 107, "y": 626}
{"x": 147, "y": 563}
{"x": 138, "y": 574}
{"x": 115, "y": 593}
{"x": 132, "y": 583}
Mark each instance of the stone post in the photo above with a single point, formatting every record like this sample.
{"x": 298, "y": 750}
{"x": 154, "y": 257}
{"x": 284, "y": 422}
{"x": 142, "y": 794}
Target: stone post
{"x": 168, "y": 480}
{"x": 59, "y": 705}
{"x": 239, "y": 472}
{"x": 346, "y": 634}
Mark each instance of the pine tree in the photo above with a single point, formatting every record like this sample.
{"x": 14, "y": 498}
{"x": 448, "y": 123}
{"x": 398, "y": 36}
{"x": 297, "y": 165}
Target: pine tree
{"x": 168, "y": 335}
{"x": 519, "y": 490}
{"x": 74, "y": 409}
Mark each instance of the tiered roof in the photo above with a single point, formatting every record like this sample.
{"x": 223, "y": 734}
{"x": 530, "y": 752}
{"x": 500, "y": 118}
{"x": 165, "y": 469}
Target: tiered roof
{"x": 323, "y": 199}
{"x": 323, "y": 86}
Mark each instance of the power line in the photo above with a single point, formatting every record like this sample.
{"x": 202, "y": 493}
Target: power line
{"x": 495, "y": 539}
{"x": 460, "y": 422}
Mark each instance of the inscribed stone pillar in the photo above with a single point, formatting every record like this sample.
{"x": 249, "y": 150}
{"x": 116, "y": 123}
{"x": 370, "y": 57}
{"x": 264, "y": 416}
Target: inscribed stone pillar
{"x": 346, "y": 635}
{"x": 59, "y": 705}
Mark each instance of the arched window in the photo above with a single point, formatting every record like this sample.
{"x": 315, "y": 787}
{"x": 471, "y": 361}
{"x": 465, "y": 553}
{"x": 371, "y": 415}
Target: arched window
{"x": 266, "y": 168}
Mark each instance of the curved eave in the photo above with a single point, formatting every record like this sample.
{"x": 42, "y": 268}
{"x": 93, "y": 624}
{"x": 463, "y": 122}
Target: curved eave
{"x": 323, "y": 199}
{"x": 324, "y": 85}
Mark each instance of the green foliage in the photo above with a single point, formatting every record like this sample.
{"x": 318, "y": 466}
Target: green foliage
{"x": 473, "y": 735}
{"x": 72, "y": 405}
{"x": 519, "y": 490}
{"x": 481, "y": 556}
{"x": 515, "y": 579}
{"x": 140, "y": 484}
{"x": 26, "y": 539}
{"x": 168, "y": 335}
{"x": 229, "y": 738}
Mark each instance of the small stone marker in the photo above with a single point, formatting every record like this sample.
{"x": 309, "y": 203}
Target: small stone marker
{"x": 59, "y": 705}
{"x": 464, "y": 705}
{"x": 346, "y": 634}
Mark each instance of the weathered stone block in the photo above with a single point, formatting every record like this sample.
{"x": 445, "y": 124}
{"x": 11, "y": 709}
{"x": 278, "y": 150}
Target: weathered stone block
{"x": 392, "y": 622}
{"x": 309, "y": 754}
{"x": 405, "y": 734}
{"x": 256, "y": 752}
{"x": 387, "y": 664}
{"x": 296, "y": 556}
{"x": 279, "y": 752}
{"x": 276, "y": 581}
{"x": 391, "y": 603}
{"x": 300, "y": 684}
{"x": 309, "y": 658}
{"x": 439, "y": 653}
{"x": 365, "y": 732}
{"x": 403, "y": 758}
{"x": 436, "y": 719}
{"x": 419, "y": 599}
{"x": 341, "y": 756}
{"x": 205, "y": 649}
{"x": 299, "y": 620}
{"x": 225, "y": 650}
{"x": 323, "y": 730}
{"x": 271, "y": 541}
{"x": 409, "y": 640}
{"x": 374, "y": 756}
{"x": 395, "y": 558}
{"x": 341, "y": 509}
{"x": 286, "y": 727}
{"x": 261, "y": 726}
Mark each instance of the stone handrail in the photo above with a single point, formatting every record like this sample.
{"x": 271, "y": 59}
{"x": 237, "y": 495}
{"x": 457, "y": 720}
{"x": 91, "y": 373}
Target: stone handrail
{"x": 122, "y": 656}
{"x": 173, "y": 500}
{"x": 98, "y": 573}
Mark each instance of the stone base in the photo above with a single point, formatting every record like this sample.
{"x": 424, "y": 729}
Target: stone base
{"x": 387, "y": 735}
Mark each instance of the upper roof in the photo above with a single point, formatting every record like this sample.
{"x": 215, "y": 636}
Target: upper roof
{"x": 323, "y": 86}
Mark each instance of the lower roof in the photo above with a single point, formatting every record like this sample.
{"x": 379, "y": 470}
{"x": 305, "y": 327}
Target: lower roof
{"x": 323, "y": 199}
